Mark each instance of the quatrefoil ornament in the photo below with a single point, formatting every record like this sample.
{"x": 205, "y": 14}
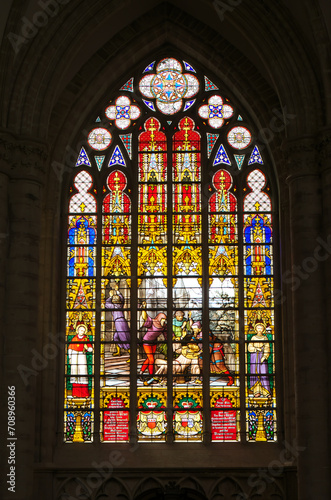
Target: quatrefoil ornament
{"x": 169, "y": 86}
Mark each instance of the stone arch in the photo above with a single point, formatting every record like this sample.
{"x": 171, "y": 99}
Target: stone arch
{"x": 75, "y": 115}
{"x": 92, "y": 96}
{"x": 148, "y": 484}
{"x": 113, "y": 489}
{"x": 171, "y": 491}
{"x": 191, "y": 483}
{"x": 73, "y": 487}
{"x": 227, "y": 488}
{"x": 71, "y": 114}
{"x": 35, "y": 85}
{"x": 52, "y": 193}
{"x": 267, "y": 491}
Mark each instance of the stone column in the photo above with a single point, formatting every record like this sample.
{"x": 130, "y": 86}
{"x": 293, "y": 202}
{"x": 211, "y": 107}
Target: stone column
{"x": 4, "y": 238}
{"x": 325, "y": 161}
{"x": 4, "y": 234}
{"x": 309, "y": 317}
{"x": 26, "y": 161}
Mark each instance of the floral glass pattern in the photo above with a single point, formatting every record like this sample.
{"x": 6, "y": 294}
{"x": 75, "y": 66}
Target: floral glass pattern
{"x": 123, "y": 112}
{"x": 169, "y": 86}
{"x": 215, "y": 111}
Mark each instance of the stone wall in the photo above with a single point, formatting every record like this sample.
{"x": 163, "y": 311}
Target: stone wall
{"x": 49, "y": 88}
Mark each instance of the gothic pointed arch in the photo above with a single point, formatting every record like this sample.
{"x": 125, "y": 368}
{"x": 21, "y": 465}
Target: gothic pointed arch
{"x": 170, "y": 268}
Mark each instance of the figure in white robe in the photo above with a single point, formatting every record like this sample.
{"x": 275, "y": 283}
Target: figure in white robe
{"x": 77, "y": 350}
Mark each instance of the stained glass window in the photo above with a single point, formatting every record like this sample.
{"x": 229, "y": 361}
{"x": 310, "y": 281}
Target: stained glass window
{"x": 115, "y": 334}
{"x": 170, "y": 319}
{"x": 80, "y": 315}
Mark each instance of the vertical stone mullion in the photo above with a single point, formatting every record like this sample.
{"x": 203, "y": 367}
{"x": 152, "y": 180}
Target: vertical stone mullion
{"x": 308, "y": 319}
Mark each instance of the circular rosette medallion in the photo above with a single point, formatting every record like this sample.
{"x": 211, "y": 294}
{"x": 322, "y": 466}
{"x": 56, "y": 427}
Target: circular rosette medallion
{"x": 99, "y": 139}
{"x": 169, "y": 86}
{"x": 239, "y": 137}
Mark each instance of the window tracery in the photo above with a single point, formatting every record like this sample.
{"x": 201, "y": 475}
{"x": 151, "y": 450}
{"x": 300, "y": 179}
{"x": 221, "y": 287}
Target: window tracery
{"x": 168, "y": 227}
